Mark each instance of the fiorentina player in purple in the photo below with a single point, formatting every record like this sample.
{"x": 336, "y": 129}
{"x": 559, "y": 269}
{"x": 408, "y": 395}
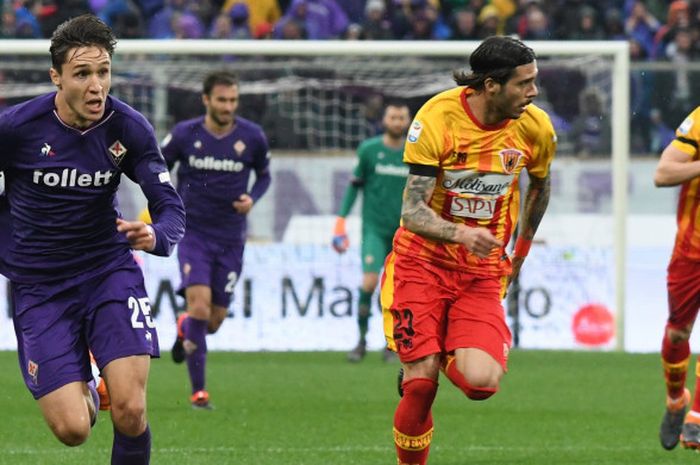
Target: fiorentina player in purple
{"x": 75, "y": 282}
{"x": 217, "y": 153}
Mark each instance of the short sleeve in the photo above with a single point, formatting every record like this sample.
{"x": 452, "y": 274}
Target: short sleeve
{"x": 544, "y": 149}
{"x": 425, "y": 142}
{"x": 688, "y": 134}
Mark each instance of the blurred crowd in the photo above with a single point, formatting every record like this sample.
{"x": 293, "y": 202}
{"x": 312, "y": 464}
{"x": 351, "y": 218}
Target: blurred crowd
{"x": 657, "y": 30}
{"x": 661, "y": 29}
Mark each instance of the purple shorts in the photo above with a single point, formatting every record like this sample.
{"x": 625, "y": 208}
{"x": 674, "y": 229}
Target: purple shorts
{"x": 209, "y": 263}
{"x": 55, "y": 324}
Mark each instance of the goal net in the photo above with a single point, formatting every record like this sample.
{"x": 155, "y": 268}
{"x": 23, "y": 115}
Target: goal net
{"x": 317, "y": 101}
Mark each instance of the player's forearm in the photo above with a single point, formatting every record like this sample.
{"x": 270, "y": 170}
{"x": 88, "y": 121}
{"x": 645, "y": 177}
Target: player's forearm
{"x": 261, "y": 184}
{"x": 536, "y": 201}
{"x": 418, "y": 217}
{"x": 348, "y": 200}
{"x": 168, "y": 215}
{"x": 672, "y": 173}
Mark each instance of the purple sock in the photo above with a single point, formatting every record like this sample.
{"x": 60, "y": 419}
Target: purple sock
{"x": 195, "y": 331}
{"x": 128, "y": 450}
{"x": 92, "y": 387}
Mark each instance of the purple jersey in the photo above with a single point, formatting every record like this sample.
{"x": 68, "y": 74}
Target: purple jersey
{"x": 214, "y": 171}
{"x": 61, "y": 185}
{"x": 5, "y": 231}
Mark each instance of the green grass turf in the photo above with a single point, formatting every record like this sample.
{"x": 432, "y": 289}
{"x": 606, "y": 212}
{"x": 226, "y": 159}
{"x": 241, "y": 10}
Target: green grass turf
{"x": 316, "y": 409}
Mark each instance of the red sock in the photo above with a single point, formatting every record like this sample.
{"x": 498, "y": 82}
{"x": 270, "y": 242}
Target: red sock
{"x": 675, "y": 359}
{"x": 413, "y": 421}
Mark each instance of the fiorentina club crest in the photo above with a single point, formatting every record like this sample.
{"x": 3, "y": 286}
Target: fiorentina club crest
{"x": 33, "y": 371}
{"x": 239, "y": 147}
{"x": 117, "y": 150}
{"x": 510, "y": 159}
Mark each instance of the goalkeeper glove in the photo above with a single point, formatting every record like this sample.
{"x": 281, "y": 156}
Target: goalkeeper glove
{"x": 340, "y": 238}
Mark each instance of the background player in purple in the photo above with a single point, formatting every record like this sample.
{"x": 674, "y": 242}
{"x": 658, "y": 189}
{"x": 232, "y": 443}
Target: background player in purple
{"x": 217, "y": 153}
{"x": 75, "y": 282}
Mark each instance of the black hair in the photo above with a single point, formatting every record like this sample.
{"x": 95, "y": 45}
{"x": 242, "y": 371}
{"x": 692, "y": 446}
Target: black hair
{"x": 82, "y": 31}
{"x": 395, "y": 102}
{"x": 495, "y": 58}
{"x": 226, "y": 78}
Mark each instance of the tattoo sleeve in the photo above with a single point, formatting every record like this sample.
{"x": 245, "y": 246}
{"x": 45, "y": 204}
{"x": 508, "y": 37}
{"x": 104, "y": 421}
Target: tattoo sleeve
{"x": 535, "y": 204}
{"x": 417, "y": 215}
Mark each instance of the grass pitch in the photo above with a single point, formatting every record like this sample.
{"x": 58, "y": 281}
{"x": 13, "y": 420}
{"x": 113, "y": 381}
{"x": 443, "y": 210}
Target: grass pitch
{"x": 554, "y": 408}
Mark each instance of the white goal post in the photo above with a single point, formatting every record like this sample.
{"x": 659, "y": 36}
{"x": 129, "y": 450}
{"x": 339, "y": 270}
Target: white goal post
{"x": 616, "y": 51}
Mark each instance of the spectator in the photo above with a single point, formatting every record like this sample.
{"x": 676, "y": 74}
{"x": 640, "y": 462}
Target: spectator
{"x": 613, "y": 26}
{"x": 464, "y": 25}
{"x": 641, "y": 88}
{"x": 240, "y": 28}
{"x": 642, "y": 26}
{"x": 589, "y": 27}
{"x": 537, "y": 26}
{"x": 175, "y": 20}
{"x": 676, "y": 101}
{"x": 489, "y": 22}
{"x": 376, "y": 25}
{"x": 26, "y": 19}
{"x": 591, "y": 131}
{"x": 289, "y": 29}
{"x": 8, "y": 26}
{"x": 221, "y": 28}
{"x": 129, "y": 25}
{"x": 322, "y": 19}
{"x": 678, "y": 18}
{"x": 260, "y": 11}
{"x": 353, "y": 32}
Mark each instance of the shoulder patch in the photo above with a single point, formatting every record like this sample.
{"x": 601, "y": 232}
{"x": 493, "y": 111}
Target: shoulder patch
{"x": 685, "y": 126}
{"x": 414, "y": 132}
{"x": 166, "y": 140}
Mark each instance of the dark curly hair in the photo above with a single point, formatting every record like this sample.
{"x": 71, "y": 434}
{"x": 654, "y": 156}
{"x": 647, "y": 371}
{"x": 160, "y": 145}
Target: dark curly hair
{"x": 82, "y": 31}
{"x": 216, "y": 78}
{"x": 495, "y": 58}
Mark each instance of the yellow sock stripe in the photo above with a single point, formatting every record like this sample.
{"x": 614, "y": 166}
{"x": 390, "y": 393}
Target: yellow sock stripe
{"x": 407, "y": 442}
{"x": 697, "y": 368}
{"x": 387, "y": 299}
{"x": 674, "y": 368}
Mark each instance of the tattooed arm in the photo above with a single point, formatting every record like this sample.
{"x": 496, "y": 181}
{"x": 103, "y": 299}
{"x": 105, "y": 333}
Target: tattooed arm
{"x": 419, "y": 218}
{"x": 535, "y": 204}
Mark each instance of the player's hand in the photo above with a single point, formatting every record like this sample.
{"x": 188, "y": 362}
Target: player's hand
{"x": 139, "y": 234}
{"x": 340, "y": 241}
{"x": 243, "y": 204}
{"x": 479, "y": 241}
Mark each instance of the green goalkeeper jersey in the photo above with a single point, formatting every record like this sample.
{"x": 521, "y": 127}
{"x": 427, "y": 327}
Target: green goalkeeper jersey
{"x": 381, "y": 174}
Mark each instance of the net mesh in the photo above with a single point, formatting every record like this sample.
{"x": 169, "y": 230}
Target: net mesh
{"x": 320, "y": 103}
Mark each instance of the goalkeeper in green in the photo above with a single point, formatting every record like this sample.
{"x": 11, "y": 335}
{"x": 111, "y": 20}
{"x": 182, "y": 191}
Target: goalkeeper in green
{"x": 381, "y": 175}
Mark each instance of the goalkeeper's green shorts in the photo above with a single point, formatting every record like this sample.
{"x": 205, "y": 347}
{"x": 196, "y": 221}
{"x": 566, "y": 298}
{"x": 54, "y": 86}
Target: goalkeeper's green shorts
{"x": 375, "y": 247}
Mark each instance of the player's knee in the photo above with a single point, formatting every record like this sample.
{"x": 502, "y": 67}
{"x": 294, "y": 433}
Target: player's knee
{"x": 678, "y": 335}
{"x": 480, "y": 385}
{"x": 480, "y": 392}
{"x": 129, "y": 416}
{"x": 214, "y": 325}
{"x": 72, "y": 433}
{"x": 199, "y": 310}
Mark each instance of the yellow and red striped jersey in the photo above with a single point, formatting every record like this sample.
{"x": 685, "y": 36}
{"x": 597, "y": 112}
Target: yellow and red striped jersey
{"x": 688, "y": 235}
{"x": 478, "y": 170}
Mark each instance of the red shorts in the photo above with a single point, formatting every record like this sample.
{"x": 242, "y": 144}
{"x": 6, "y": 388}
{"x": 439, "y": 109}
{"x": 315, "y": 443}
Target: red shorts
{"x": 683, "y": 284}
{"x": 432, "y": 310}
